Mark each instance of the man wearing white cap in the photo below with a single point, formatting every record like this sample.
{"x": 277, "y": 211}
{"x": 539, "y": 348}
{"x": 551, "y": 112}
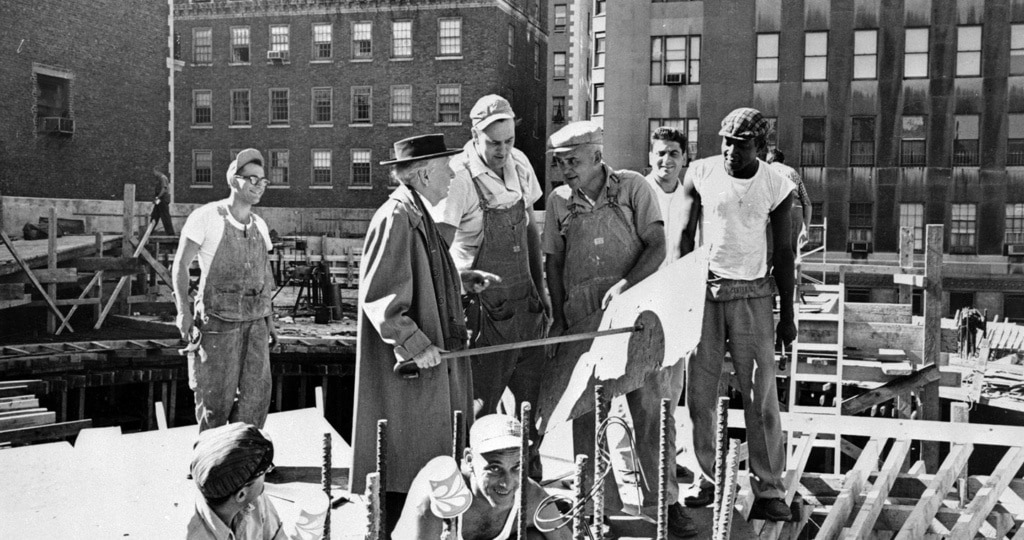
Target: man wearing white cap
{"x": 740, "y": 196}
{"x": 488, "y": 220}
{"x": 231, "y": 354}
{"x": 489, "y": 508}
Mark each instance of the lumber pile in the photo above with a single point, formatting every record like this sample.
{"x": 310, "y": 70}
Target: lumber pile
{"x": 24, "y": 421}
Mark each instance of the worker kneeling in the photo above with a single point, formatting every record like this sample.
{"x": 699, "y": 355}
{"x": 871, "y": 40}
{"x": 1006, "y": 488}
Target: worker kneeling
{"x": 439, "y": 499}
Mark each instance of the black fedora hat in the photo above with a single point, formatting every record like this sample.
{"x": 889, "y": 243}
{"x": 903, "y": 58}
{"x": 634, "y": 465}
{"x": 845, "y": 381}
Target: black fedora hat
{"x": 419, "y": 148}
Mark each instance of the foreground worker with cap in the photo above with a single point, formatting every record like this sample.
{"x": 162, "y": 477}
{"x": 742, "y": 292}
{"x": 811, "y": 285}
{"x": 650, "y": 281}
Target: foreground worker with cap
{"x": 739, "y": 197}
{"x": 488, "y": 221}
{"x": 409, "y": 309}
{"x": 231, "y": 353}
{"x": 489, "y": 507}
{"x": 604, "y": 234}
{"x": 229, "y": 464}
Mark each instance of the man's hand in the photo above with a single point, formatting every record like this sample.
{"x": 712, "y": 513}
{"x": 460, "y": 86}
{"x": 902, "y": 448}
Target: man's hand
{"x": 616, "y": 290}
{"x": 428, "y": 358}
{"x": 184, "y": 321}
{"x": 272, "y": 330}
{"x": 476, "y": 281}
{"x": 785, "y": 333}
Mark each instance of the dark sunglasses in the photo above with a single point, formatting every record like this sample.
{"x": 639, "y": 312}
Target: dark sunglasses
{"x": 254, "y": 180}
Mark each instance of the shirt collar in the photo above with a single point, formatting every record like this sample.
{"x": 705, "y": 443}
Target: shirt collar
{"x": 211, "y": 521}
{"x": 404, "y": 195}
{"x": 472, "y": 160}
{"x": 578, "y": 197}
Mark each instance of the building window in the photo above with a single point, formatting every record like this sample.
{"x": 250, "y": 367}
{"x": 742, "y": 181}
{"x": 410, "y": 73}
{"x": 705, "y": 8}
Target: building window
{"x": 401, "y": 104}
{"x": 278, "y": 167}
{"x": 767, "y": 58}
{"x": 401, "y": 39}
{"x": 561, "y": 17}
{"x": 202, "y": 107}
{"x": 815, "y": 56}
{"x": 675, "y": 60}
{"x": 862, "y": 141}
{"x": 599, "y": 50}
{"x": 599, "y": 7}
{"x": 362, "y": 39}
{"x": 360, "y": 167}
{"x": 536, "y": 60}
{"x": 240, "y": 108}
{"x": 240, "y": 44}
{"x": 362, "y": 99}
{"x": 865, "y": 54}
{"x": 915, "y": 56}
{"x": 202, "y": 167}
{"x": 812, "y": 149}
{"x": 449, "y": 103}
{"x": 54, "y": 100}
{"x": 816, "y": 231}
{"x": 202, "y": 45}
{"x": 686, "y": 125}
{"x": 1014, "y": 224}
{"x": 278, "y": 105}
{"x": 449, "y": 41}
{"x": 861, "y": 223}
{"x": 279, "y": 38}
{"x": 963, "y": 225}
{"x": 912, "y": 215}
{"x": 968, "y": 51}
{"x": 323, "y": 41}
{"x": 559, "y": 65}
{"x": 323, "y": 105}
{"x": 1017, "y": 49}
{"x": 511, "y": 45}
{"x": 321, "y": 167}
{"x": 1015, "y": 143}
{"x": 598, "y": 108}
{"x": 912, "y": 142}
{"x": 558, "y": 109}
{"x": 965, "y": 141}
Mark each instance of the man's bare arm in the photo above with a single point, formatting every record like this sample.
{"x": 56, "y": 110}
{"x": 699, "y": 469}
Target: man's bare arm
{"x": 187, "y": 251}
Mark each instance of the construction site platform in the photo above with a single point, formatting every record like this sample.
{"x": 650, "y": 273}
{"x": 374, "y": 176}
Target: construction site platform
{"x": 35, "y": 252}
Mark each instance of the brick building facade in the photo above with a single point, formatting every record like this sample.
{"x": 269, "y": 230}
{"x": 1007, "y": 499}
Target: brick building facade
{"x": 84, "y": 97}
{"x": 323, "y": 89}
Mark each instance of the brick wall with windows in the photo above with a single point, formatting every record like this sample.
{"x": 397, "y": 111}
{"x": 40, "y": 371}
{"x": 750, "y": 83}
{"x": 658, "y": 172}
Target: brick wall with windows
{"x": 348, "y": 91}
{"x": 106, "y": 98}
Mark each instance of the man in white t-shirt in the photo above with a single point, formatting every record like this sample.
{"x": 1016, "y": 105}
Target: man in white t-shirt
{"x": 739, "y": 196}
{"x": 488, "y": 221}
{"x": 233, "y": 325}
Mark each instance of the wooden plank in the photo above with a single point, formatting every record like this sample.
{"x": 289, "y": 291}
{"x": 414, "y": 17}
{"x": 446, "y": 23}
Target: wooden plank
{"x": 853, "y": 484}
{"x": 906, "y": 260}
{"x": 875, "y": 499}
{"x": 919, "y": 520}
{"x": 987, "y": 497}
{"x": 932, "y": 335}
{"x": 890, "y": 390}
{"x": 45, "y": 276}
{"x": 92, "y": 264}
{"x": 861, "y": 371}
{"x": 791, "y": 481}
{"x": 19, "y": 412}
{"x": 878, "y": 269}
{"x": 35, "y": 282}
{"x": 48, "y": 432}
{"x": 51, "y": 264}
{"x": 870, "y": 337}
{"x": 19, "y": 404}
{"x": 14, "y": 391}
{"x": 872, "y": 312}
{"x": 27, "y": 420}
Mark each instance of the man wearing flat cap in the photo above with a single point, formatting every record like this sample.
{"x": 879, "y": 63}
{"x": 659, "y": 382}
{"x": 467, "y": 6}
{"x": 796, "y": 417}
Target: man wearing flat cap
{"x": 410, "y": 311}
{"x": 229, "y": 464}
{"x": 603, "y": 234}
{"x": 233, "y": 325}
{"x": 488, "y": 221}
{"x": 739, "y": 197}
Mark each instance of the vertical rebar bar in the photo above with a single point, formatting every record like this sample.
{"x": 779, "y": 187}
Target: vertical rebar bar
{"x": 325, "y": 480}
{"x": 723, "y": 515}
{"x": 373, "y": 506}
{"x": 457, "y": 436}
{"x": 524, "y": 465}
{"x": 382, "y": 473}
{"x": 579, "y": 521}
{"x": 663, "y": 469}
{"x": 600, "y": 462}
{"x": 721, "y": 448}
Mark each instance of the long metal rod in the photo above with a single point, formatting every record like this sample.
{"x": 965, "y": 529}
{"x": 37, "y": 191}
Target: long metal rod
{"x": 524, "y": 466}
{"x": 663, "y": 470}
{"x": 600, "y": 465}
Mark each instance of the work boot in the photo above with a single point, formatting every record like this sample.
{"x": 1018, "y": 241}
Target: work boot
{"x": 680, "y": 525}
{"x": 703, "y": 497}
{"x": 774, "y": 509}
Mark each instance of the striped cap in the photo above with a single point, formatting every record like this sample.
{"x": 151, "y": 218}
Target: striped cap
{"x": 744, "y": 123}
{"x": 226, "y": 458}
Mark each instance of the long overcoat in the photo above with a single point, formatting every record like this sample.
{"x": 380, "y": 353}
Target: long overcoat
{"x": 399, "y": 316}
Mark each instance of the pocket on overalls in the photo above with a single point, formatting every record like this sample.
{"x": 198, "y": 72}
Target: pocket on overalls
{"x": 497, "y": 321}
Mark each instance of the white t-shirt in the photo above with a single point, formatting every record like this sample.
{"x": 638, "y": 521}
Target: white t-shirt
{"x": 672, "y": 208}
{"x": 461, "y": 208}
{"x": 205, "y": 226}
{"x": 735, "y": 216}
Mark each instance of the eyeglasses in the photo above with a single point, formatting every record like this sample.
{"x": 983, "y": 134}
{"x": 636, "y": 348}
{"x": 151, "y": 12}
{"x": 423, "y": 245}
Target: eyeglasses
{"x": 254, "y": 180}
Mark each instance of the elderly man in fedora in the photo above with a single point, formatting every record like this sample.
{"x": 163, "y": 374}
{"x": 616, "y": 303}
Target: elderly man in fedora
{"x": 410, "y": 311}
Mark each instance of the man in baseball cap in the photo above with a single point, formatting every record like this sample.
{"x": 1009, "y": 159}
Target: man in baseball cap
{"x": 739, "y": 195}
{"x": 230, "y": 356}
{"x": 229, "y": 464}
{"x": 489, "y": 223}
{"x": 490, "y": 506}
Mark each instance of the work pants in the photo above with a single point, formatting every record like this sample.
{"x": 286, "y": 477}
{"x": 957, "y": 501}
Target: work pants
{"x": 230, "y": 373}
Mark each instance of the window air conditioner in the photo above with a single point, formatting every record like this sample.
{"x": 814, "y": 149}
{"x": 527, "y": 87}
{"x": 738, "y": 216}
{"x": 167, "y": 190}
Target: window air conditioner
{"x": 860, "y": 247}
{"x": 277, "y": 55}
{"x": 674, "y": 78}
{"x": 1015, "y": 250}
{"x": 57, "y": 125}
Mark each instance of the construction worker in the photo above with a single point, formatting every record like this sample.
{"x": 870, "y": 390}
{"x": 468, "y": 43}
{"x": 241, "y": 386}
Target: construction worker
{"x": 489, "y": 507}
{"x": 739, "y": 196}
{"x": 162, "y": 202}
{"x": 603, "y": 234}
{"x": 233, "y": 324}
{"x": 488, "y": 220}
{"x": 802, "y": 209}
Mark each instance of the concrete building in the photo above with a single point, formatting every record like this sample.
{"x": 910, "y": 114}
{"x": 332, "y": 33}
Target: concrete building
{"x": 324, "y": 88}
{"x": 900, "y": 113}
{"x": 84, "y": 93}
